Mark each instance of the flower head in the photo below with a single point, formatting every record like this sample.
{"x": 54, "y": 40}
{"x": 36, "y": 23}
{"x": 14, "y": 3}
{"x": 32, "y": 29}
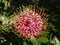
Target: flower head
{"x": 29, "y": 24}
{"x": 29, "y": 21}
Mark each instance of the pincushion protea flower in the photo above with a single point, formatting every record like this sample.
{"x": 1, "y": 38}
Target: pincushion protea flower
{"x": 29, "y": 21}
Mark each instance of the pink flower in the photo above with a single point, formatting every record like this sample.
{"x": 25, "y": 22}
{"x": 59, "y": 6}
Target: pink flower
{"x": 29, "y": 24}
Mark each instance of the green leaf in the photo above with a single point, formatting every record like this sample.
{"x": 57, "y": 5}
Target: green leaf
{"x": 51, "y": 25}
{"x": 44, "y": 33}
{"x": 34, "y": 41}
{"x": 55, "y": 41}
{"x": 4, "y": 26}
{"x": 24, "y": 43}
{"x": 43, "y": 39}
{"x": 11, "y": 43}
